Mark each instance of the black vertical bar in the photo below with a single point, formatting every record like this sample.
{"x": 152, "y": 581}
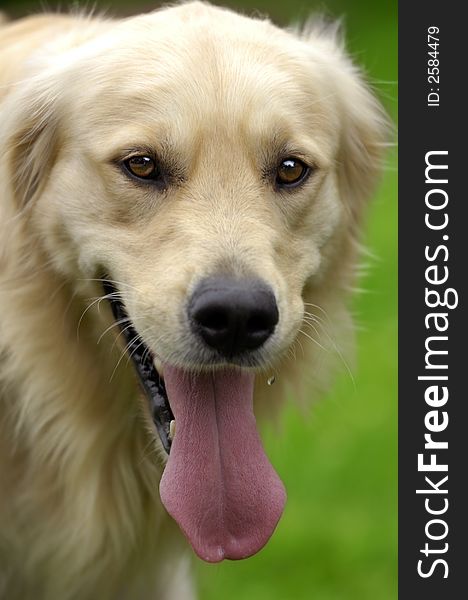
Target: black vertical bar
{"x": 437, "y": 126}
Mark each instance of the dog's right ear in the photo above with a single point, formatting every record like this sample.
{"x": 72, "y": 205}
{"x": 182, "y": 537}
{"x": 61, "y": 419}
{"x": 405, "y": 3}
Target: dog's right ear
{"x": 31, "y": 139}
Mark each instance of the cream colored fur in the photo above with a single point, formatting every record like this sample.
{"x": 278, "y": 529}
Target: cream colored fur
{"x": 220, "y": 95}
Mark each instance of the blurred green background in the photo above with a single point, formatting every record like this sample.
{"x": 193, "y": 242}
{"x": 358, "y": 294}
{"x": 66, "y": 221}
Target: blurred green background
{"x": 338, "y": 537}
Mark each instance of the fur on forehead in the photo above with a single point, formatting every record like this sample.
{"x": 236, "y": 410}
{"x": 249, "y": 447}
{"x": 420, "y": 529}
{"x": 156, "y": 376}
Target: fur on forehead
{"x": 304, "y": 69}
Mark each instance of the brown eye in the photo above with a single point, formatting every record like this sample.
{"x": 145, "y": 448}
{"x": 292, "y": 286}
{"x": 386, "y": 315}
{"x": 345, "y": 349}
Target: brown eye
{"x": 143, "y": 167}
{"x": 291, "y": 172}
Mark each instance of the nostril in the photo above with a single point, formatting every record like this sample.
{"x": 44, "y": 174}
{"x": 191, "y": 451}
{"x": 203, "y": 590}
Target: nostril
{"x": 214, "y": 318}
{"x": 258, "y": 323}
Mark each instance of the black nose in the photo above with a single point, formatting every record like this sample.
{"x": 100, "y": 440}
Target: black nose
{"x": 233, "y": 315}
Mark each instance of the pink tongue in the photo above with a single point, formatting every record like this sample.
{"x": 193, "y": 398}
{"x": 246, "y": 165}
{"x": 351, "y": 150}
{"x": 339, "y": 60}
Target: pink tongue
{"x": 218, "y": 483}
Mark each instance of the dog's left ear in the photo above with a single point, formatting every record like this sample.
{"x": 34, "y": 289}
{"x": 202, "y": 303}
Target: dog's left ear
{"x": 364, "y": 125}
{"x": 31, "y": 140}
{"x": 364, "y": 134}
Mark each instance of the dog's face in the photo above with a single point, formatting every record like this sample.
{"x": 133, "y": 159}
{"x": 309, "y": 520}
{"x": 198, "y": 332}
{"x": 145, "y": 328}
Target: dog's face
{"x": 212, "y": 153}
{"x": 213, "y": 164}
{"x": 214, "y": 167}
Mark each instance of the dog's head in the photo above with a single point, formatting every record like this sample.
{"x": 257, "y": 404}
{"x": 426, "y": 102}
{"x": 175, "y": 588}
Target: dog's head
{"x": 215, "y": 168}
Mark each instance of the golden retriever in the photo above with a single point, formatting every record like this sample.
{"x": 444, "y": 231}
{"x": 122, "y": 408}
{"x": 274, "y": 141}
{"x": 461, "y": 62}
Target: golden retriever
{"x": 181, "y": 193}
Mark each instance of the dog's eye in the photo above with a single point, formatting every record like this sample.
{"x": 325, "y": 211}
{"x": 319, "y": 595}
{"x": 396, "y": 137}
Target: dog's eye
{"x": 291, "y": 172}
{"x": 143, "y": 167}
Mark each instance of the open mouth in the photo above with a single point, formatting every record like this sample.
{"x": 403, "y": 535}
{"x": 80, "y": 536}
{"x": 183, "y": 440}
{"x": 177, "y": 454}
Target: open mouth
{"x": 218, "y": 484}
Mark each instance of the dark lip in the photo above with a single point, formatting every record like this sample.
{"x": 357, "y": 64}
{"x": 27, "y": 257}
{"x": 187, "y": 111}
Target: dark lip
{"x": 150, "y": 380}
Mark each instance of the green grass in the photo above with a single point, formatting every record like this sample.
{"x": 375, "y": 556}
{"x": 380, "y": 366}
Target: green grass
{"x": 338, "y": 537}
